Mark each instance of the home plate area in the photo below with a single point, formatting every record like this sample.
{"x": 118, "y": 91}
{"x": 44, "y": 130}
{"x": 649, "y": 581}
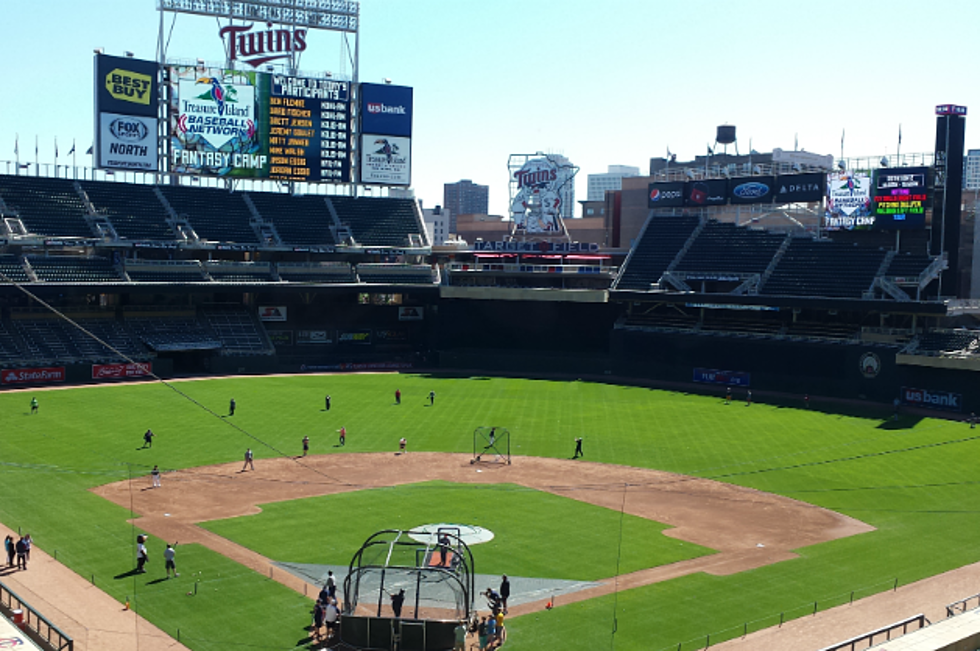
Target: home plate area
{"x": 522, "y": 589}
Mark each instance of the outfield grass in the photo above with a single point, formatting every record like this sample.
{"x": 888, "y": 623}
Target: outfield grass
{"x": 914, "y": 483}
{"x": 535, "y": 534}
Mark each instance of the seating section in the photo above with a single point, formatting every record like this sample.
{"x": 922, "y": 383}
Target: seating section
{"x": 727, "y": 248}
{"x": 824, "y": 268}
{"x": 134, "y": 210}
{"x": 10, "y": 350}
{"x": 172, "y": 333}
{"x": 214, "y": 214}
{"x": 395, "y": 274}
{"x": 239, "y": 332}
{"x": 378, "y": 222}
{"x": 11, "y": 267}
{"x": 239, "y": 272}
{"x": 66, "y": 269}
{"x": 908, "y": 265}
{"x": 334, "y": 272}
{"x": 56, "y": 339}
{"x": 46, "y": 206}
{"x": 662, "y": 239}
{"x": 165, "y": 272}
{"x": 299, "y": 220}
{"x": 949, "y": 342}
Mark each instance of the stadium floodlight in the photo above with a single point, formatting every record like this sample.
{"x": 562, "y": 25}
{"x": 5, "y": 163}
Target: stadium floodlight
{"x": 99, "y": 50}
{"x": 884, "y": 161}
{"x": 840, "y": 165}
{"x": 335, "y": 15}
{"x": 689, "y": 173}
{"x": 387, "y": 81}
{"x": 797, "y": 167}
{"x": 129, "y": 55}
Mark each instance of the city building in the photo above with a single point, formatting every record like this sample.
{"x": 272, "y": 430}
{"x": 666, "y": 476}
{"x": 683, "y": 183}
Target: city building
{"x": 598, "y": 184}
{"x": 437, "y": 224}
{"x": 971, "y": 170}
{"x": 465, "y": 198}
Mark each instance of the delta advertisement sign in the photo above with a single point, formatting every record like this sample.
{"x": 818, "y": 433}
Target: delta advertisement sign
{"x": 118, "y": 371}
{"x": 944, "y": 400}
{"x": 44, "y": 375}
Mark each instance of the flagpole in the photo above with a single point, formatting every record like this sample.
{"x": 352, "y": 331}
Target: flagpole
{"x": 37, "y": 162}
{"x": 56, "y": 156}
{"x": 898, "y": 150}
{"x": 74, "y": 163}
{"x": 17, "y": 151}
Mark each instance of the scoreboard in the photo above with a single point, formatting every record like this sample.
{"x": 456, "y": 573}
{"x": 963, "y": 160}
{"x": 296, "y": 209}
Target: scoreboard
{"x": 309, "y": 130}
{"x": 901, "y": 197}
{"x": 258, "y": 125}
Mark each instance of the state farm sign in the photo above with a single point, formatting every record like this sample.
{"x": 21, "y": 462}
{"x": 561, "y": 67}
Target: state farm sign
{"x": 113, "y": 371}
{"x": 32, "y": 375}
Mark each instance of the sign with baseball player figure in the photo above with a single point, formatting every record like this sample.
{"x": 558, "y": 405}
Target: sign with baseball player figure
{"x": 542, "y": 194}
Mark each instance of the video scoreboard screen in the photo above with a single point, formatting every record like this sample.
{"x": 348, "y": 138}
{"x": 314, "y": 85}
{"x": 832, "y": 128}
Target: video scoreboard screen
{"x": 901, "y": 197}
{"x": 309, "y": 130}
{"x": 238, "y": 124}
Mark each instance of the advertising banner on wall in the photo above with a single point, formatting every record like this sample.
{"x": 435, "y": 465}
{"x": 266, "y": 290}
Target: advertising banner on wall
{"x": 944, "y": 400}
{"x": 386, "y": 160}
{"x": 665, "y": 195}
{"x": 728, "y": 378}
{"x": 361, "y": 337}
{"x": 848, "y": 201}
{"x": 127, "y": 142}
{"x": 313, "y": 337}
{"x": 751, "y": 189}
{"x": 800, "y": 188}
{"x": 33, "y": 375}
{"x": 901, "y": 197}
{"x": 386, "y": 109}
{"x": 709, "y": 192}
{"x": 281, "y": 337}
{"x": 272, "y": 313}
{"x": 410, "y": 313}
{"x": 116, "y": 371}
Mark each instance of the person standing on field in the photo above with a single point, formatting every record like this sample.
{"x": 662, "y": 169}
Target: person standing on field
{"x": 343, "y": 436}
{"x": 249, "y": 460}
{"x": 398, "y": 396}
{"x": 155, "y": 473}
{"x": 33, "y": 405}
{"x": 306, "y": 445}
{"x": 578, "y": 448}
{"x": 169, "y": 557}
{"x": 327, "y": 402}
{"x": 231, "y": 407}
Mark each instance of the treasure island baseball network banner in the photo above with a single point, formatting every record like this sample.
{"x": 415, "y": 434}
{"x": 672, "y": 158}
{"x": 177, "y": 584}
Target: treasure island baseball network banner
{"x": 242, "y": 124}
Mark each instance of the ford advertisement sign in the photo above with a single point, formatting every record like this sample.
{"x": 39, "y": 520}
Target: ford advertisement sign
{"x": 755, "y": 189}
{"x": 386, "y": 110}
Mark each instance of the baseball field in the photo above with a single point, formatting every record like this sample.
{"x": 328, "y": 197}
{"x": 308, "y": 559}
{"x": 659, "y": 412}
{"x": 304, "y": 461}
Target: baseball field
{"x": 716, "y": 518}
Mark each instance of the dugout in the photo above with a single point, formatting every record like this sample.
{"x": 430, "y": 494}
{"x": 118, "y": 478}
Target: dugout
{"x": 435, "y": 572}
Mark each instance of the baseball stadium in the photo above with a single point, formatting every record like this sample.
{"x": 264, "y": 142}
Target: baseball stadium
{"x": 249, "y": 404}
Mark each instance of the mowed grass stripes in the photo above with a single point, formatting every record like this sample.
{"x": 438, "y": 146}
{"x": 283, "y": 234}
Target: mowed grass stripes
{"x": 913, "y": 480}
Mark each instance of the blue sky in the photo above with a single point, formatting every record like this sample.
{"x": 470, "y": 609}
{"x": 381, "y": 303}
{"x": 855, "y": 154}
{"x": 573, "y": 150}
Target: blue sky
{"x": 612, "y": 82}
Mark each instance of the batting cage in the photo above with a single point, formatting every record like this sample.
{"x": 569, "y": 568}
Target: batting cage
{"x": 407, "y": 590}
{"x": 491, "y": 445}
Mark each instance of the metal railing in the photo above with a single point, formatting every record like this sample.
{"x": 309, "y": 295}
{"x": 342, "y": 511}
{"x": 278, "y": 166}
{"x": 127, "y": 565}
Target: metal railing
{"x": 43, "y": 630}
{"x": 868, "y": 639}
